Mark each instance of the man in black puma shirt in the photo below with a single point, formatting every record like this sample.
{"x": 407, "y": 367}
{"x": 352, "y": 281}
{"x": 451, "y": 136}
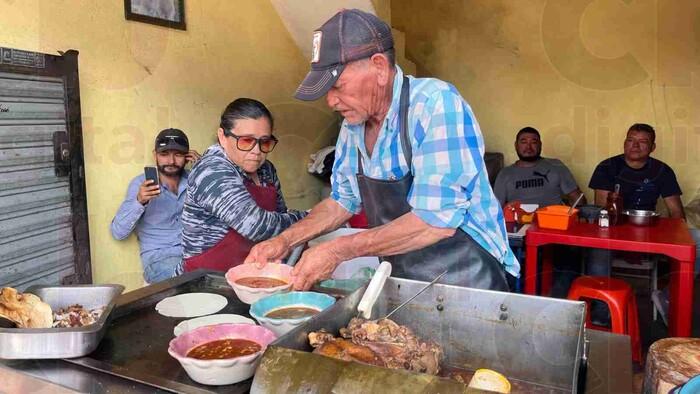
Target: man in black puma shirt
{"x": 534, "y": 179}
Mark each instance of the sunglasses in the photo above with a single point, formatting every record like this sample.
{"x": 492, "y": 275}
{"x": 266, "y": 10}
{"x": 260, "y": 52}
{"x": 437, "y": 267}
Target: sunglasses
{"x": 246, "y": 143}
{"x": 165, "y": 140}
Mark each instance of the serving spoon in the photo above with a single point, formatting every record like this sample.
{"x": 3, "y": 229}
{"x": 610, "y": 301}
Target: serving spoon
{"x": 578, "y": 199}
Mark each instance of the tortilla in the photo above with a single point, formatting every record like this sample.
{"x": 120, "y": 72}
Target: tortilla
{"x": 191, "y": 305}
{"x": 210, "y": 321}
{"x": 24, "y": 309}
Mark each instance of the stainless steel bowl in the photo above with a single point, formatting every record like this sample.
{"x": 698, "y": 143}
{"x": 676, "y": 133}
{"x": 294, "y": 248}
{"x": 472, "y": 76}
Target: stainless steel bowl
{"x": 640, "y": 217}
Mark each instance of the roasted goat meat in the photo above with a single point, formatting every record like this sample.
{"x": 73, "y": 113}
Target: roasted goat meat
{"x": 76, "y": 316}
{"x": 382, "y": 343}
{"x": 343, "y": 349}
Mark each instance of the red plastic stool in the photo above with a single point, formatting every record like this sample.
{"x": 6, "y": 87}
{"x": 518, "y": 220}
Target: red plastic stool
{"x": 619, "y": 297}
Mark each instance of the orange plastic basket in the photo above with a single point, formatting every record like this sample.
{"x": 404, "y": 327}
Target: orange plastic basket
{"x": 554, "y": 217}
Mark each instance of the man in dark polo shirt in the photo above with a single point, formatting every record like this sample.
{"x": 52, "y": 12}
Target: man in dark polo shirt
{"x": 642, "y": 178}
{"x": 642, "y": 181}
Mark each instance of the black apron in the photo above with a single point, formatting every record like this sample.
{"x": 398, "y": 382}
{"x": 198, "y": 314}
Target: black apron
{"x": 469, "y": 264}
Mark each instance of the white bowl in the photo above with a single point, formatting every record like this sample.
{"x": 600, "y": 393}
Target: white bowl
{"x": 250, "y": 294}
{"x": 347, "y": 269}
{"x": 220, "y": 372}
{"x": 529, "y": 208}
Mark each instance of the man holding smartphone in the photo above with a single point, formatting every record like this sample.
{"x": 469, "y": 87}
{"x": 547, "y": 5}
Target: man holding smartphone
{"x": 153, "y": 206}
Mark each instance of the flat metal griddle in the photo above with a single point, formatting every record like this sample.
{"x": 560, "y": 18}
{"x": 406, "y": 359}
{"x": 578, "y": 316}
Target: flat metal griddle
{"x": 136, "y": 344}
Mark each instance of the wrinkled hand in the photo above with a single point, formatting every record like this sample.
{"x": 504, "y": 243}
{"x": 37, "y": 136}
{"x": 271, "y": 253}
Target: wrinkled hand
{"x": 192, "y": 156}
{"x": 147, "y": 192}
{"x": 271, "y": 251}
{"x": 316, "y": 265}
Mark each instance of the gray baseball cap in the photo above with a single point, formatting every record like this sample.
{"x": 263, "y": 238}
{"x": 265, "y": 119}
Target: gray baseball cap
{"x": 348, "y": 36}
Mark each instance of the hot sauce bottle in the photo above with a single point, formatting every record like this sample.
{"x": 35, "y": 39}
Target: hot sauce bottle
{"x": 614, "y": 206}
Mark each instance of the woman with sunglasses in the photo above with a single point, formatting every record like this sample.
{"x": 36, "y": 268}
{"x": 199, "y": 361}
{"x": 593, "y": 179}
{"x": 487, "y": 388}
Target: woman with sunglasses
{"x": 234, "y": 199}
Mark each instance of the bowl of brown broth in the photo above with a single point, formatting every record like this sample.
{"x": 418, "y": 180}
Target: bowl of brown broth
{"x": 221, "y": 354}
{"x": 283, "y": 312}
{"x": 252, "y": 283}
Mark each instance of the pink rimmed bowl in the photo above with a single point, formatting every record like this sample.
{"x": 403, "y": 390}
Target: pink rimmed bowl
{"x": 220, "y": 372}
{"x": 251, "y": 294}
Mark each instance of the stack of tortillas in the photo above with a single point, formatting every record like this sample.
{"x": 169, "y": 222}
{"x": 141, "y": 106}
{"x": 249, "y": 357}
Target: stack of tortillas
{"x": 24, "y": 309}
{"x": 191, "y": 305}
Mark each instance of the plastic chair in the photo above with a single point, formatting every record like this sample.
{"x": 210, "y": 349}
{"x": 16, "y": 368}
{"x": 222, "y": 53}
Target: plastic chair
{"x": 620, "y": 299}
{"x": 645, "y": 269}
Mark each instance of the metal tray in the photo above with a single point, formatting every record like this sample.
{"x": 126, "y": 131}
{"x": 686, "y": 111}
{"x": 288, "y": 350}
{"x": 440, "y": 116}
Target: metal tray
{"x": 42, "y": 343}
{"x": 538, "y": 343}
{"x": 136, "y": 345}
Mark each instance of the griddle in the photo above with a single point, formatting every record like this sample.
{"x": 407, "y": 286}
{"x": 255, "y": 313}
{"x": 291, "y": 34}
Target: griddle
{"x": 136, "y": 344}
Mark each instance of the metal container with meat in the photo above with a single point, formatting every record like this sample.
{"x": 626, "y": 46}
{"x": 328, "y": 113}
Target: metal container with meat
{"x": 537, "y": 343}
{"x": 81, "y": 315}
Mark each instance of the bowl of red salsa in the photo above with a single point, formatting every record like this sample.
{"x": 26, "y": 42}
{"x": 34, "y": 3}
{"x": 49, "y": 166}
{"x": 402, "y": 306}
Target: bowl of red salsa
{"x": 252, "y": 283}
{"x": 221, "y": 354}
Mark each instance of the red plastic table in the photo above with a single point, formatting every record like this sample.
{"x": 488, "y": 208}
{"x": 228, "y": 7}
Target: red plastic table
{"x": 669, "y": 237}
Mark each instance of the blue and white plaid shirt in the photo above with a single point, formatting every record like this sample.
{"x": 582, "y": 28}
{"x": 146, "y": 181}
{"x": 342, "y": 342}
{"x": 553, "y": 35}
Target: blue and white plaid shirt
{"x": 450, "y": 185}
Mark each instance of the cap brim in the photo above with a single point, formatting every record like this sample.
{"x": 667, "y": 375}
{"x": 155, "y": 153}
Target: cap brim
{"x": 172, "y": 146}
{"x": 317, "y": 83}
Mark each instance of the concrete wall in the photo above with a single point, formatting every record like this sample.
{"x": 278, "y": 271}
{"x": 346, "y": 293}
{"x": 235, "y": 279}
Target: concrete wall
{"x": 137, "y": 79}
{"x": 303, "y": 17}
{"x": 580, "y": 71}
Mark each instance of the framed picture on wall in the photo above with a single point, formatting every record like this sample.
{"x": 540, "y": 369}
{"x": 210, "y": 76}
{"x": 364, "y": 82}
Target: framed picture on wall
{"x": 168, "y": 13}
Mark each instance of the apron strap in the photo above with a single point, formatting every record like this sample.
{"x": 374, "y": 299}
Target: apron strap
{"x": 359, "y": 162}
{"x": 403, "y": 125}
{"x": 404, "y": 101}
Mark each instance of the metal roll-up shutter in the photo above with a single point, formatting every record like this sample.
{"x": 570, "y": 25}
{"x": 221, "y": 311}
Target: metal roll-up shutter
{"x": 36, "y": 232}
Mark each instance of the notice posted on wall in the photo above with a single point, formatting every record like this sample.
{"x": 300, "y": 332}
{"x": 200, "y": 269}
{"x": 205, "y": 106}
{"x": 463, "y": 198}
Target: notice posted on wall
{"x": 17, "y": 57}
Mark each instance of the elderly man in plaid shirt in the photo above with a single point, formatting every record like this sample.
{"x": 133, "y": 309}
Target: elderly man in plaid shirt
{"x": 410, "y": 153}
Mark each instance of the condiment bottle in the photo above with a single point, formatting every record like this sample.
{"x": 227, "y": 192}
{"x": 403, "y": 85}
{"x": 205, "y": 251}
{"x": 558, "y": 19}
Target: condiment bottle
{"x": 603, "y": 219}
{"x": 614, "y": 206}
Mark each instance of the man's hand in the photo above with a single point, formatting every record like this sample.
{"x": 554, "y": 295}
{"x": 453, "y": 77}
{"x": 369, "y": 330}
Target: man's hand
{"x": 271, "y": 251}
{"x": 192, "y": 156}
{"x": 147, "y": 192}
{"x": 316, "y": 264}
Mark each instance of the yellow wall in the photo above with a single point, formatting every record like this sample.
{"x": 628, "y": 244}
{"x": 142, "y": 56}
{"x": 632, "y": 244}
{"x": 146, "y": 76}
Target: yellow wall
{"x": 580, "y": 71}
{"x": 137, "y": 79}
{"x": 382, "y": 8}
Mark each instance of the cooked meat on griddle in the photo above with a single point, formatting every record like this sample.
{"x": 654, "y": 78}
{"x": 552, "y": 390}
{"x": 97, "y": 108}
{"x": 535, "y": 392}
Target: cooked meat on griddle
{"x": 320, "y": 337}
{"x": 76, "y": 316}
{"x": 382, "y": 343}
{"x": 24, "y": 309}
{"x": 346, "y": 350}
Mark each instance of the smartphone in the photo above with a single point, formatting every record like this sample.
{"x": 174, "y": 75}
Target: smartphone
{"x": 152, "y": 174}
